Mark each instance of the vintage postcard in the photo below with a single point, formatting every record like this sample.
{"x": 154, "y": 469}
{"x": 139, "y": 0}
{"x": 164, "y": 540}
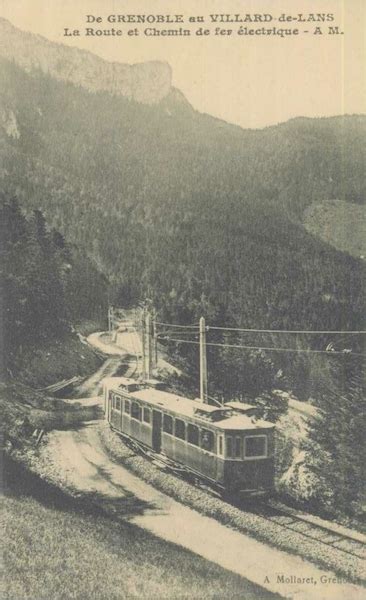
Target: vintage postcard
{"x": 182, "y": 199}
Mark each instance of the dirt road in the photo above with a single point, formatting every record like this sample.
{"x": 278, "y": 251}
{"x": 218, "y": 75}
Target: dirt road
{"x": 93, "y": 385}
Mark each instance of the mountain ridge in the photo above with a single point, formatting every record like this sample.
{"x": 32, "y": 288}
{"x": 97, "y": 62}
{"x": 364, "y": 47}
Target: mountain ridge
{"x": 146, "y": 83}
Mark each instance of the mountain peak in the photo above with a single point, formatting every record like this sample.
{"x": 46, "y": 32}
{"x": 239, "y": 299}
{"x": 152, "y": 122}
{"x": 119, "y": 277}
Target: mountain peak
{"x": 146, "y": 83}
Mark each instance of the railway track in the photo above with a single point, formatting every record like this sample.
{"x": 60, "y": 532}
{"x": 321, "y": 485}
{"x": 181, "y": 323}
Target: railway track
{"x": 333, "y": 536}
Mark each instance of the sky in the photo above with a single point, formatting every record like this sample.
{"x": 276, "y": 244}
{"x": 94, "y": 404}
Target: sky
{"x": 253, "y": 81}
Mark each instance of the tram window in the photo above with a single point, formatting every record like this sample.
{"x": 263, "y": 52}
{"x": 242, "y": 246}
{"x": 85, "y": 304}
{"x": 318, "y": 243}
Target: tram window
{"x": 180, "y": 429}
{"x": 229, "y": 447}
{"x": 221, "y": 445}
{"x": 237, "y": 447}
{"x": 147, "y": 415}
{"x": 168, "y": 424}
{"x": 193, "y": 435}
{"x": 117, "y": 402}
{"x": 127, "y": 407}
{"x": 256, "y": 446}
{"x": 136, "y": 411}
{"x": 207, "y": 440}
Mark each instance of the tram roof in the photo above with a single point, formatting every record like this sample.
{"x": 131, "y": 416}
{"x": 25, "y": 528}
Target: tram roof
{"x": 217, "y": 416}
{"x": 243, "y": 422}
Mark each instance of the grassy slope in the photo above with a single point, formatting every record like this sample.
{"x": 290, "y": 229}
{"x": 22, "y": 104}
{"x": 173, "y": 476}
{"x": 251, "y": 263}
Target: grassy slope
{"x": 55, "y": 554}
{"x": 341, "y": 224}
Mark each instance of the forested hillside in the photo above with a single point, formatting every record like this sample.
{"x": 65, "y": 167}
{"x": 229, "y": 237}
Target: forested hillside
{"x": 46, "y": 286}
{"x": 177, "y": 205}
{"x": 200, "y": 216}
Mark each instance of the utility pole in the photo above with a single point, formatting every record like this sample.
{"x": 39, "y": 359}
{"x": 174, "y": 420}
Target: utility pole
{"x": 155, "y": 342}
{"x": 110, "y": 311}
{"x": 203, "y": 361}
{"x": 143, "y": 342}
{"x": 148, "y": 345}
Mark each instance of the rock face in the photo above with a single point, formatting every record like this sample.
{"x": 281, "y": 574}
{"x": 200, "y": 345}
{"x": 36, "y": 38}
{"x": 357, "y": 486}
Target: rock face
{"x": 147, "y": 83}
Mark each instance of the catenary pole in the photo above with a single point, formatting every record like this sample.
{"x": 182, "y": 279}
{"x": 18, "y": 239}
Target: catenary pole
{"x": 203, "y": 361}
{"x": 148, "y": 345}
{"x": 143, "y": 343}
{"x": 155, "y": 342}
{"x": 109, "y": 318}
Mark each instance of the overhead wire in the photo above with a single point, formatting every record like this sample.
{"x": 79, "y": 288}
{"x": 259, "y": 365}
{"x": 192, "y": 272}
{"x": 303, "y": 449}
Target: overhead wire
{"x": 176, "y": 325}
{"x": 270, "y": 349}
{"x": 169, "y": 333}
{"x": 249, "y": 330}
{"x": 188, "y": 331}
{"x": 304, "y": 331}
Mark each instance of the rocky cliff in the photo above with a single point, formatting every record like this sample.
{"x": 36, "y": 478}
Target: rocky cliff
{"x": 147, "y": 83}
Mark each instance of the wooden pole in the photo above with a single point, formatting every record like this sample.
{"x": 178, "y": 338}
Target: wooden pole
{"x": 148, "y": 346}
{"x": 143, "y": 342}
{"x": 155, "y": 343}
{"x": 203, "y": 361}
{"x": 109, "y": 319}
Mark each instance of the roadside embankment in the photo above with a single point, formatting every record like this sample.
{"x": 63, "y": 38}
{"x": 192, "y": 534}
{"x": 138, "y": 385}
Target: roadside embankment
{"x": 54, "y": 361}
{"x": 29, "y": 410}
